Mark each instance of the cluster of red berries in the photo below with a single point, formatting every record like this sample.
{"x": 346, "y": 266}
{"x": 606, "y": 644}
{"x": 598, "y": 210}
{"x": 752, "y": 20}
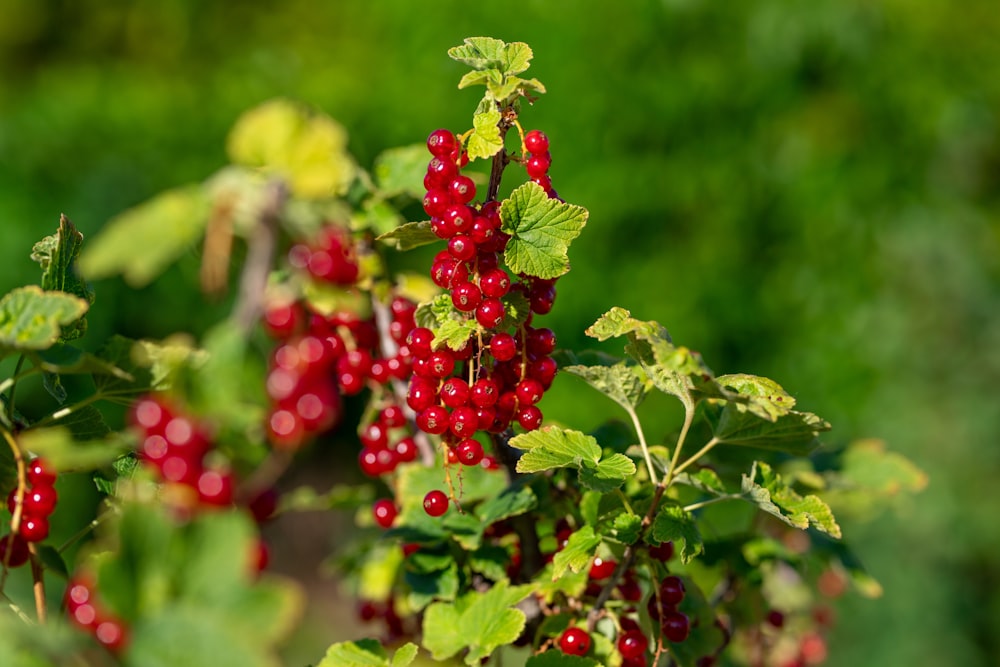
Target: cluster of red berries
{"x": 330, "y": 257}
{"x": 87, "y": 613}
{"x": 175, "y": 445}
{"x": 37, "y": 504}
{"x": 537, "y": 160}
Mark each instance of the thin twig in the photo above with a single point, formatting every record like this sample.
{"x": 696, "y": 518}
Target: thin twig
{"x": 260, "y": 258}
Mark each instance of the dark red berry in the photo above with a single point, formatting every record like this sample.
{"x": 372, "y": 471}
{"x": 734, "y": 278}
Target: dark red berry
{"x": 776, "y": 618}
{"x": 435, "y": 503}
{"x": 530, "y": 418}
{"x": 466, "y": 296}
{"x": 632, "y": 644}
{"x": 454, "y": 392}
{"x": 392, "y": 416}
{"x": 663, "y": 552}
{"x": 484, "y": 392}
{"x": 464, "y": 421}
{"x": 34, "y": 528}
{"x": 406, "y": 450}
{"x": 494, "y": 283}
{"x": 112, "y": 634}
{"x": 574, "y": 641}
{"x": 490, "y": 313}
{"x": 675, "y": 626}
{"x": 601, "y": 568}
{"x": 671, "y": 591}
{"x": 503, "y": 347}
{"x": 528, "y": 391}
{"x": 40, "y": 474}
{"x": 18, "y": 550}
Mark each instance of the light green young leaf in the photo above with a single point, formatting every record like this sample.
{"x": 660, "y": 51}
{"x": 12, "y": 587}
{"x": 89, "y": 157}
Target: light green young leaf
{"x": 165, "y": 227}
{"x": 552, "y": 447}
{"x": 57, "y": 256}
{"x": 409, "y": 236}
{"x": 482, "y": 53}
{"x": 360, "y": 653}
{"x": 65, "y": 453}
{"x": 607, "y": 474}
{"x": 541, "y": 230}
{"x": 401, "y": 171}
{"x": 450, "y": 326}
{"x": 32, "y": 319}
{"x": 764, "y": 397}
{"x": 404, "y": 655}
{"x": 673, "y": 524}
{"x": 485, "y": 140}
{"x": 478, "y": 621}
{"x": 870, "y": 477}
{"x": 764, "y": 488}
{"x": 479, "y": 77}
{"x": 619, "y": 322}
{"x": 308, "y": 151}
{"x": 627, "y": 527}
{"x": 578, "y": 552}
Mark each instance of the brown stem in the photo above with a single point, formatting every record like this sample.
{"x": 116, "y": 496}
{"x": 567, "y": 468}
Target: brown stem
{"x": 508, "y": 117}
{"x": 38, "y": 577}
{"x": 628, "y": 559}
{"x": 260, "y": 256}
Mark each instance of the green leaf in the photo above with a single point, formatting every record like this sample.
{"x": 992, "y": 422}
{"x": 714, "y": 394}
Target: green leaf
{"x": 764, "y": 488}
{"x": 705, "y": 479}
{"x": 378, "y": 217}
{"x": 626, "y": 384}
{"x": 401, "y": 171}
{"x": 361, "y": 653}
{"x": 870, "y": 477}
{"x": 86, "y": 422}
{"x": 307, "y": 150}
{"x": 578, "y": 552}
{"x": 734, "y": 423}
{"x": 165, "y": 227}
{"x": 32, "y": 319}
{"x": 619, "y": 322}
{"x": 485, "y": 140}
{"x": 607, "y": 474}
{"x": 57, "y": 256}
{"x": 404, "y": 655}
{"x": 552, "y": 447}
{"x": 65, "y": 453}
{"x": 554, "y": 658}
{"x": 482, "y": 53}
{"x": 409, "y": 236}
{"x": 144, "y": 365}
{"x": 512, "y": 502}
{"x": 480, "y": 77}
{"x": 478, "y": 621}
{"x": 541, "y": 230}
{"x": 627, "y": 527}
{"x": 673, "y": 524}
{"x": 450, "y": 326}
{"x": 765, "y": 398}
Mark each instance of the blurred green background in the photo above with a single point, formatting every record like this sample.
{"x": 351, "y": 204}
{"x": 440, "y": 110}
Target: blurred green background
{"x": 806, "y": 191}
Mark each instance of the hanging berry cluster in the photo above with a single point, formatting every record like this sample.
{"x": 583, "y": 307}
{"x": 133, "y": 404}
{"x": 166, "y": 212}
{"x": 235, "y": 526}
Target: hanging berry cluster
{"x": 494, "y": 379}
{"x": 37, "y": 504}
{"x": 86, "y": 612}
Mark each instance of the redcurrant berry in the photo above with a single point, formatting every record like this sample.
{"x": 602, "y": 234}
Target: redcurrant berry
{"x": 385, "y": 512}
{"x": 675, "y": 626}
{"x": 441, "y": 143}
{"x": 435, "y": 503}
{"x": 671, "y": 591}
{"x": 536, "y": 142}
{"x": 632, "y": 644}
{"x": 490, "y": 313}
{"x": 574, "y": 641}
{"x": 469, "y": 452}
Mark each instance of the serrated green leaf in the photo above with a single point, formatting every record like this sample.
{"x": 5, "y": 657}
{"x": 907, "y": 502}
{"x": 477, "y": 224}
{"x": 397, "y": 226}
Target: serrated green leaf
{"x": 450, "y": 326}
{"x": 625, "y": 384}
{"x": 490, "y": 561}
{"x": 404, "y": 655}
{"x": 627, "y": 527}
{"x": 673, "y": 524}
{"x": 555, "y": 658}
{"x": 479, "y": 77}
{"x": 541, "y": 230}
{"x": 765, "y": 397}
{"x": 512, "y": 502}
{"x": 517, "y": 309}
{"x": 764, "y": 488}
{"x": 401, "y": 171}
{"x": 165, "y": 227}
{"x": 360, "y": 653}
{"x": 409, "y": 236}
{"x": 479, "y": 621}
{"x": 32, "y": 319}
{"x": 733, "y": 423}
{"x": 485, "y": 140}
{"x": 309, "y": 151}
{"x": 483, "y": 53}
{"x": 590, "y": 506}
{"x": 619, "y": 322}
{"x": 57, "y": 256}
{"x": 426, "y": 587}
{"x": 552, "y": 447}
{"x": 705, "y": 479}
{"x": 578, "y": 552}
{"x": 607, "y": 474}
{"x": 86, "y": 423}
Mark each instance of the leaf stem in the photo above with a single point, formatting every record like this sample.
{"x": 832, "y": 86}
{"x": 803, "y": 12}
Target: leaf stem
{"x": 694, "y": 457}
{"x": 711, "y": 501}
{"x": 16, "y": 609}
{"x": 688, "y": 420}
{"x": 637, "y": 425}
{"x": 260, "y": 256}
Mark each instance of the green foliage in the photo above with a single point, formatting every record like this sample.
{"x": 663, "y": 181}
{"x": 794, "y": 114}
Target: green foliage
{"x": 367, "y": 653}
{"x": 541, "y": 230}
{"x": 780, "y": 500}
{"x": 31, "y": 319}
{"x": 479, "y": 621}
{"x": 57, "y": 255}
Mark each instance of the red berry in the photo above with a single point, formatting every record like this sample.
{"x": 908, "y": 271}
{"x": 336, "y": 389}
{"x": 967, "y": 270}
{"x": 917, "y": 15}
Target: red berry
{"x": 632, "y": 644}
{"x": 40, "y": 474}
{"x": 454, "y": 392}
{"x": 484, "y": 392}
{"x": 671, "y": 591}
{"x": 434, "y": 420}
{"x": 489, "y": 463}
{"x": 601, "y": 568}
{"x": 283, "y": 318}
{"x": 150, "y": 414}
{"x": 503, "y": 347}
{"x": 385, "y": 512}
{"x": 374, "y": 436}
{"x": 369, "y": 463}
{"x": 663, "y": 552}
{"x": 675, "y": 626}
{"x": 458, "y": 219}
{"x": 530, "y": 418}
{"x": 442, "y": 362}
{"x": 392, "y": 416}
{"x": 419, "y": 342}
{"x": 494, "y": 283}
{"x": 574, "y": 641}
{"x": 776, "y": 618}
{"x": 436, "y": 202}
{"x": 264, "y": 505}
{"x": 469, "y": 452}
{"x": 112, "y": 634}
{"x": 440, "y": 171}
{"x": 461, "y": 247}
{"x": 464, "y": 421}
{"x": 536, "y": 142}
{"x": 528, "y": 391}
{"x": 490, "y": 313}
{"x": 462, "y": 189}
{"x": 285, "y": 429}
{"x": 406, "y": 450}
{"x": 543, "y": 370}
{"x": 421, "y": 395}
{"x": 466, "y": 296}
{"x": 18, "y": 550}
{"x": 34, "y": 528}
{"x": 541, "y": 342}
{"x": 215, "y": 488}
{"x": 441, "y": 143}
{"x": 538, "y": 165}
{"x": 435, "y": 503}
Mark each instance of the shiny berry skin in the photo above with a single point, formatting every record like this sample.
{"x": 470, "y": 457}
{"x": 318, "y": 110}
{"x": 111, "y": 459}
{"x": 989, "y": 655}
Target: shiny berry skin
{"x": 458, "y": 219}
{"x": 454, "y": 392}
{"x": 34, "y": 529}
{"x": 663, "y": 552}
{"x": 441, "y": 143}
{"x": 528, "y": 391}
{"x": 469, "y": 452}
{"x": 466, "y": 296}
{"x": 40, "y": 474}
{"x": 369, "y": 463}
{"x": 671, "y": 591}
{"x": 503, "y": 347}
{"x": 374, "y": 436}
{"x": 112, "y": 634}
{"x": 490, "y": 313}
{"x": 440, "y": 171}
{"x": 38, "y": 501}
{"x": 675, "y": 626}
{"x": 574, "y": 641}
{"x": 601, "y": 568}
{"x": 530, "y": 418}
{"x": 419, "y": 341}
{"x": 435, "y": 503}
{"x": 434, "y": 420}
{"x": 537, "y": 166}
{"x": 494, "y": 283}
{"x": 462, "y": 247}
{"x": 406, "y": 450}
{"x": 543, "y": 370}
{"x": 541, "y": 342}
{"x": 18, "y": 547}
{"x": 536, "y": 142}
{"x": 385, "y": 512}
{"x": 392, "y": 416}
{"x": 462, "y": 189}
{"x": 484, "y": 392}
{"x": 421, "y": 396}
{"x": 464, "y": 421}
{"x": 442, "y": 363}
{"x": 632, "y": 644}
